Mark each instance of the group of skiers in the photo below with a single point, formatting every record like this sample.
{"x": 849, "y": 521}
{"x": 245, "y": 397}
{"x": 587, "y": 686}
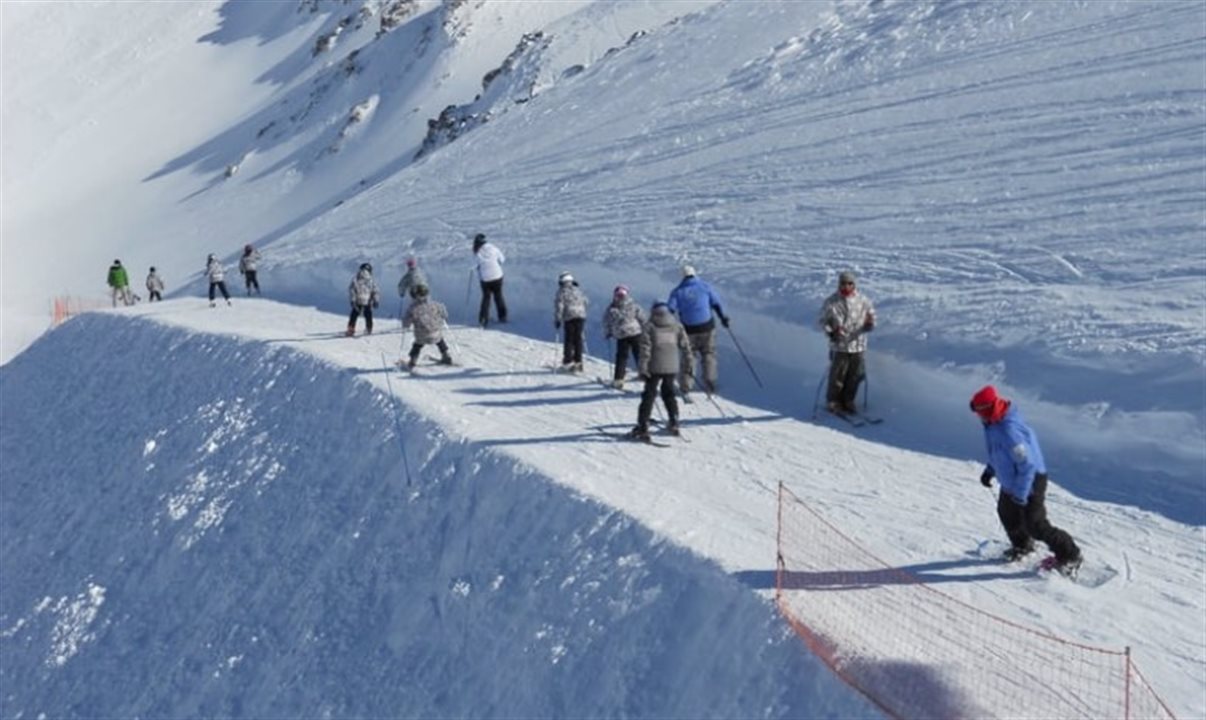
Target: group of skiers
{"x": 215, "y": 272}
{"x": 663, "y": 346}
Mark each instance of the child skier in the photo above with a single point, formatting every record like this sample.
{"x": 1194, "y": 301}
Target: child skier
{"x": 247, "y": 266}
{"x": 623, "y": 321}
{"x": 429, "y": 318}
{"x": 364, "y": 297}
{"x": 413, "y": 278}
{"x": 664, "y": 349}
{"x": 217, "y": 278}
{"x": 569, "y": 309}
{"x": 154, "y": 286}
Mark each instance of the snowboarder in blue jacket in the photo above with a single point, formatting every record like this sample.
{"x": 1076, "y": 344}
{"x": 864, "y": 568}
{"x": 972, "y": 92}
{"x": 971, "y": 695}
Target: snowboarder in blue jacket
{"x": 1016, "y": 461}
{"x": 694, "y": 301}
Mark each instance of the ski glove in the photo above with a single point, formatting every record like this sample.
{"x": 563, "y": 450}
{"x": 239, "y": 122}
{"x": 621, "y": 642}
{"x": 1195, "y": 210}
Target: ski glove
{"x": 987, "y": 476}
{"x": 557, "y": 324}
{"x": 724, "y": 320}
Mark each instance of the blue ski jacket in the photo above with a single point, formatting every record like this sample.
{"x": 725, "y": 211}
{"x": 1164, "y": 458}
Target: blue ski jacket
{"x": 693, "y": 301}
{"x": 1014, "y": 455}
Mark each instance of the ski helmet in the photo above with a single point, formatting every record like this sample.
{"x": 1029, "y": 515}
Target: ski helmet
{"x": 366, "y": 266}
{"x": 621, "y": 291}
{"x": 411, "y": 262}
{"x": 152, "y": 268}
{"x": 564, "y": 278}
{"x": 688, "y": 271}
{"x": 247, "y": 249}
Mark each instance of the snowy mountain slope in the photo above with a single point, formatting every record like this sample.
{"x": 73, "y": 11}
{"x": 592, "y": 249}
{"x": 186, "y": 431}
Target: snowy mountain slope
{"x": 273, "y": 436}
{"x": 1018, "y": 185}
{"x": 229, "y": 530}
{"x": 277, "y": 111}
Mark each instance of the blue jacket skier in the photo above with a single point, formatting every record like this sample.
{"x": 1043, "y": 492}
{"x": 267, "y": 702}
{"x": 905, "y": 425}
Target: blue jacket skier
{"x": 694, "y": 301}
{"x": 1016, "y": 461}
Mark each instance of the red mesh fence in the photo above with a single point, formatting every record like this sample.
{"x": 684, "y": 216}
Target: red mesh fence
{"x": 918, "y": 653}
{"x": 64, "y": 307}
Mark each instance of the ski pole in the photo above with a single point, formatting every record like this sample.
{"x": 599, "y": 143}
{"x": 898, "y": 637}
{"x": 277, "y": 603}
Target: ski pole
{"x": 468, "y": 292}
{"x": 816, "y": 399}
{"x": 397, "y": 419}
{"x": 450, "y": 338}
{"x": 747, "y": 360}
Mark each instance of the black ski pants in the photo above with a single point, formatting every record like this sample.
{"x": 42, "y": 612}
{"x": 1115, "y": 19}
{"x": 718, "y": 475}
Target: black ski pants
{"x": 624, "y": 347}
{"x": 846, "y": 371}
{"x": 571, "y": 342}
{"x": 1023, "y": 522}
{"x": 649, "y": 396}
{"x": 357, "y": 310}
{"x": 492, "y": 288}
{"x": 154, "y": 296}
{"x": 219, "y": 285}
{"x": 417, "y": 348}
{"x": 252, "y": 281}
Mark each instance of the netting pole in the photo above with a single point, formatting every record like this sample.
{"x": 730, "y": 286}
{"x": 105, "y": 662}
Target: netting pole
{"x": 1126, "y": 683}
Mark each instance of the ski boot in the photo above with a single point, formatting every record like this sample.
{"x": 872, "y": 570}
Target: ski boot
{"x": 446, "y": 360}
{"x": 640, "y": 433}
{"x": 1016, "y": 553}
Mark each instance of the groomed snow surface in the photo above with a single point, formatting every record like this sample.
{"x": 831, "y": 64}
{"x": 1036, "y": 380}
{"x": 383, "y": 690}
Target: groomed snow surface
{"x": 217, "y": 517}
{"x": 236, "y": 511}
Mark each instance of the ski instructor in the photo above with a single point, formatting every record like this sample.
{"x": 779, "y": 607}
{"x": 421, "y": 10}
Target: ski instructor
{"x": 1016, "y": 461}
{"x": 490, "y": 274}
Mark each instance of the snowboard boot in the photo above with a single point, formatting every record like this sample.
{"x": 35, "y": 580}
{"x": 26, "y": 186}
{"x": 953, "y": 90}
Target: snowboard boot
{"x": 1069, "y": 566}
{"x": 1016, "y": 553}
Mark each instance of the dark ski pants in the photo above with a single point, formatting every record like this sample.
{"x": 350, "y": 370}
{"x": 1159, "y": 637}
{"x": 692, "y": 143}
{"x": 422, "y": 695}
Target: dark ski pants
{"x": 846, "y": 371}
{"x": 649, "y": 395}
{"x": 1023, "y": 522}
{"x": 219, "y": 285}
{"x": 154, "y": 296}
{"x": 703, "y": 343}
{"x": 624, "y": 347}
{"x": 357, "y": 310}
{"x": 492, "y": 288}
{"x": 416, "y": 348}
{"x": 571, "y": 343}
{"x": 250, "y": 279}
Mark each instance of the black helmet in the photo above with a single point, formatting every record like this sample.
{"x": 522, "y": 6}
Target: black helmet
{"x": 419, "y": 291}
{"x": 117, "y": 262}
{"x": 366, "y": 266}
{"x": 152, "y": 268}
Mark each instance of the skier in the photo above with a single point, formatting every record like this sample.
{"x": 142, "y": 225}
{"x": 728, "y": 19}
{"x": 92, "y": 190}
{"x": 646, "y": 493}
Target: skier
{"x": 413, "y": 278}
{"x": 217, "y": 281}
{"x": 846, "y": 317}
{"x": 623, "y": 321}
{"x": 429, "y": 318}
{"x": 693, "y": 301}
{"x": 119, "y": 284}
{"x": 1016, "y": 461}
{"x": 247, "y": 266}
{"x": 569, "y": 309}
{"x": 154, "y": 286}
{"x": 364, "y": 297}
{"x": 665, "y": 349}
{"x": 490, "y": 274}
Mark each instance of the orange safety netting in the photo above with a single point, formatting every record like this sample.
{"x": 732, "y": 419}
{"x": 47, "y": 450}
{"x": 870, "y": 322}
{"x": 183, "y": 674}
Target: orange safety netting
{"x": 918, "y": 653}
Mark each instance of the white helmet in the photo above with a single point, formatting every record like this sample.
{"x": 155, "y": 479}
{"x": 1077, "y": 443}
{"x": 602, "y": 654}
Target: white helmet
{"x": 564, "y": 278}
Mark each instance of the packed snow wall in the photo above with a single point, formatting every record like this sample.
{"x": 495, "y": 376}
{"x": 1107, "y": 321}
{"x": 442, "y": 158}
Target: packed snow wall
{"x": 196, "y": 525}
